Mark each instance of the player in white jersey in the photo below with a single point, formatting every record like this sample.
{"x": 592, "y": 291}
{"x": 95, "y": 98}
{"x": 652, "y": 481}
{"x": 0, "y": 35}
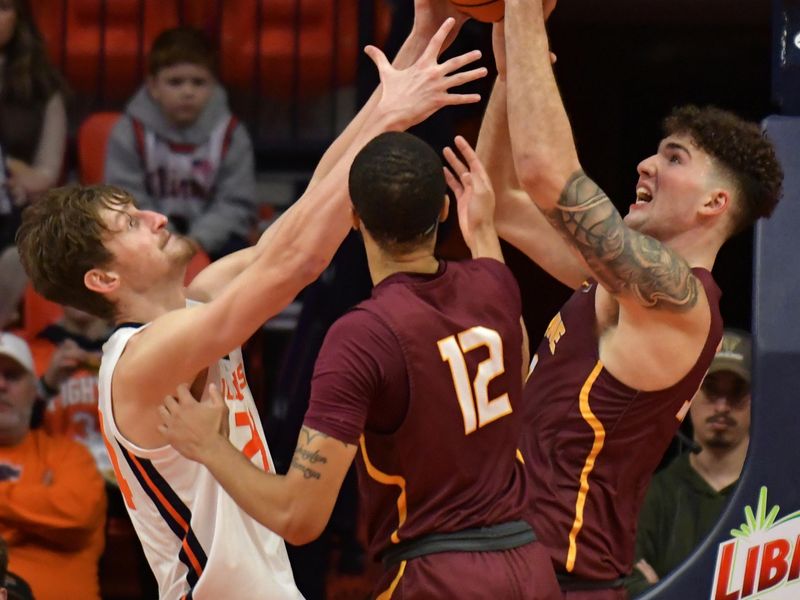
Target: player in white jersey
{"x": 160, "y": 486}
{"x": 90, "y": 247}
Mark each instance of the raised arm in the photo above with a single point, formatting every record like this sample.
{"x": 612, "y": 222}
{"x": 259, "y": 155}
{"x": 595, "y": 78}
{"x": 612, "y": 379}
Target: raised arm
{"x": 301, "y": 246}
{"x": 475, "y": 197}
{"x": 637, "y": 269}
{"x": 518, "y": 220}
{"x": 473, "y": 190}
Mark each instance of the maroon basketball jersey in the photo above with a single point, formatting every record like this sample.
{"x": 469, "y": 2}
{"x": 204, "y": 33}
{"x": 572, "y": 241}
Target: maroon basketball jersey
{"x": 451, "y": 463}
{"x": 591, "y": 443}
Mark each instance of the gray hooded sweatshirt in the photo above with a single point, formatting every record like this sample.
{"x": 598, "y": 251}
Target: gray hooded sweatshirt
{"x": 218, "y": 200}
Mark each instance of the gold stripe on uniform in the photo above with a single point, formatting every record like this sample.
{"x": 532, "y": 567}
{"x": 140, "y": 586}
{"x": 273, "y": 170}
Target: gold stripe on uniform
{"x": 381, "y": 477}
{"x": 386, "y": 594}
{"x": 597, "y": 446}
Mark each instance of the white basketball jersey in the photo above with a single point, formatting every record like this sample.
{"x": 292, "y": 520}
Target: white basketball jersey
{"x": 198, "y": 542}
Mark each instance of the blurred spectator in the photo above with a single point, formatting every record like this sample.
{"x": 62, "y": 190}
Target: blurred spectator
{"x": 684, "y": 500}
{"x": 178, "y": 149}
{"x": 67, "y": 356}
{"x": 33, "y": 133}
{"x": 52, "y": 502}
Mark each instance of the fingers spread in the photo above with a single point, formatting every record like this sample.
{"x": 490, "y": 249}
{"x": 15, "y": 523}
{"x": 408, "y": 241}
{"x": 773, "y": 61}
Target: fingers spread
{"x": 436, "y": 44}
{"x": 455, "y": 63}
{"x": 466, "y": 77}
{"x": 378, "y": 57}
{"x": 452, "y": 182}
{"x": 455, "y": 163}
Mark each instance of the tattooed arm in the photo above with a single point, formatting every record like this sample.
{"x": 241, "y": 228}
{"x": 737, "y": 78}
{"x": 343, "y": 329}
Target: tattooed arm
{"x": 297, "y": 505}
{"x": 635, "y": 268}
{"x": 518, "y": 220}
{"x": 624, "y": 261}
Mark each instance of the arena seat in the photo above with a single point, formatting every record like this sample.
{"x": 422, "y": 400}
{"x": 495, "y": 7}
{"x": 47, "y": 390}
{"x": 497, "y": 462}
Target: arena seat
{"x": 262, "y": 49}
{"x": 101, "y": 45}
{"x": 92, "y": 140}
{"x": 49, "y": 18}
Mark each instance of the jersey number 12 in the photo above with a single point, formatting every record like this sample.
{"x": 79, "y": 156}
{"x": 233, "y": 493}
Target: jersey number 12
{"x": 473, "y": 397}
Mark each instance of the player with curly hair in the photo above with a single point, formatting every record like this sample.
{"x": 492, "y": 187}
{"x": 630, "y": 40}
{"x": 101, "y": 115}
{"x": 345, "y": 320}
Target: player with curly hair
{"x": 613, "y": 376}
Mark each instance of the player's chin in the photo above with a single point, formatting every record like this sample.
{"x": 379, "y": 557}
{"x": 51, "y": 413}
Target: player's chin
{"x": 632, "y": 220}
{"x": 181, "y": 250}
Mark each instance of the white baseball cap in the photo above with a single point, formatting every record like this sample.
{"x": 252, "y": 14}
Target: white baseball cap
{"x": 16, "y": 348}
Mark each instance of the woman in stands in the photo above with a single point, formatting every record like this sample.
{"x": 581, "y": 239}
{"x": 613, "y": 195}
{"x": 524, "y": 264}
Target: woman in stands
{"x": 33, "y": 133}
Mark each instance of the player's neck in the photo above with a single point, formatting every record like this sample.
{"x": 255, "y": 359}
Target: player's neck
{"x": 720, "y": 467}
{"x": 698, "y": 248}
{"x": 149, "y": 305}
{"x": 383, "y": 265}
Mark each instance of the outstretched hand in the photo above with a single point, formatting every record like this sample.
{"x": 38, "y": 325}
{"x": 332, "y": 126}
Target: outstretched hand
{"x": 472, "y": 188}
{"x": 194, "y": 428}
{"x": 411, "y": 95}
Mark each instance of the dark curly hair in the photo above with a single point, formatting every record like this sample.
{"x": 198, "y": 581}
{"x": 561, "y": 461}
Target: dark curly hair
{"x": 397, "y": 188}
{"x": 742, "y": 150}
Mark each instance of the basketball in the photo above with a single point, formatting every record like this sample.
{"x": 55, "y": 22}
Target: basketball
{"x": 487, "y": 11}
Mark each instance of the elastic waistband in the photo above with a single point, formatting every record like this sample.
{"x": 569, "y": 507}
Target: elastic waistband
{"x": 504, "y": 536}
{"x": 571, "y": 583}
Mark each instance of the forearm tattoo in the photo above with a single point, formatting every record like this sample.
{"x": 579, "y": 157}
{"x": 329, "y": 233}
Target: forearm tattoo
{"x": 623, "y": 260}
{"x": 308, "y": 461}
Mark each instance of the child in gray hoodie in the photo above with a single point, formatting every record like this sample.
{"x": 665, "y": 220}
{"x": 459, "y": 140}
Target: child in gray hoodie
{"x": 179, "y": 151}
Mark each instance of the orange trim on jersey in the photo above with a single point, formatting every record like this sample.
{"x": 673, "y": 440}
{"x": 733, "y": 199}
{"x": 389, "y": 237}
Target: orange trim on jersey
{"x": 520, "y": 458}
{"x": 156, "y": 492}
{"x": 124, "y": 487}
{"x": 385, "y": 479}
{"x": 387, "y": 593}
{"x": 597, "y": 446}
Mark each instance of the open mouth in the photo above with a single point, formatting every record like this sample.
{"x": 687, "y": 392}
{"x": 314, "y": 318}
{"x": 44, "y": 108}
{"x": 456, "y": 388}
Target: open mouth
{"x": 643, "y": 196}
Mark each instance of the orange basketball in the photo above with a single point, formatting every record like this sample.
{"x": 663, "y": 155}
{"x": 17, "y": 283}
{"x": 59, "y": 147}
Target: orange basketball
{"x": 487, "y": 11}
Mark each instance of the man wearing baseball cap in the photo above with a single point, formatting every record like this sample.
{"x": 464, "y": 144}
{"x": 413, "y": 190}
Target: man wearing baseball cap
{"x": 685, "y": 499}
{"x": 52, "y": 497}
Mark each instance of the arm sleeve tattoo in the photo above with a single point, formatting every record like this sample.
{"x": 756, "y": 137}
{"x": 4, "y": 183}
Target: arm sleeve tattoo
{"x": 623, "y": 260}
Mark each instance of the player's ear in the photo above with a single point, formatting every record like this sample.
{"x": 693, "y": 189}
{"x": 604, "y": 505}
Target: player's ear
{"x": 356, "y": 220}
{"x": 717, "y": 202}
{"x": 445, "y": 209}
{"x": 100, "y": 281}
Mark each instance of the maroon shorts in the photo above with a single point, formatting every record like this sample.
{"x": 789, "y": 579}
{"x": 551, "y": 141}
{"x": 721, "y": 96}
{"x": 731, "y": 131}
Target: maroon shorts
{"x": 524, "y": 573}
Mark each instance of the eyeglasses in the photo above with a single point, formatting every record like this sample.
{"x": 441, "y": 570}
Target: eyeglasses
{"x": 735, "y": 392}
